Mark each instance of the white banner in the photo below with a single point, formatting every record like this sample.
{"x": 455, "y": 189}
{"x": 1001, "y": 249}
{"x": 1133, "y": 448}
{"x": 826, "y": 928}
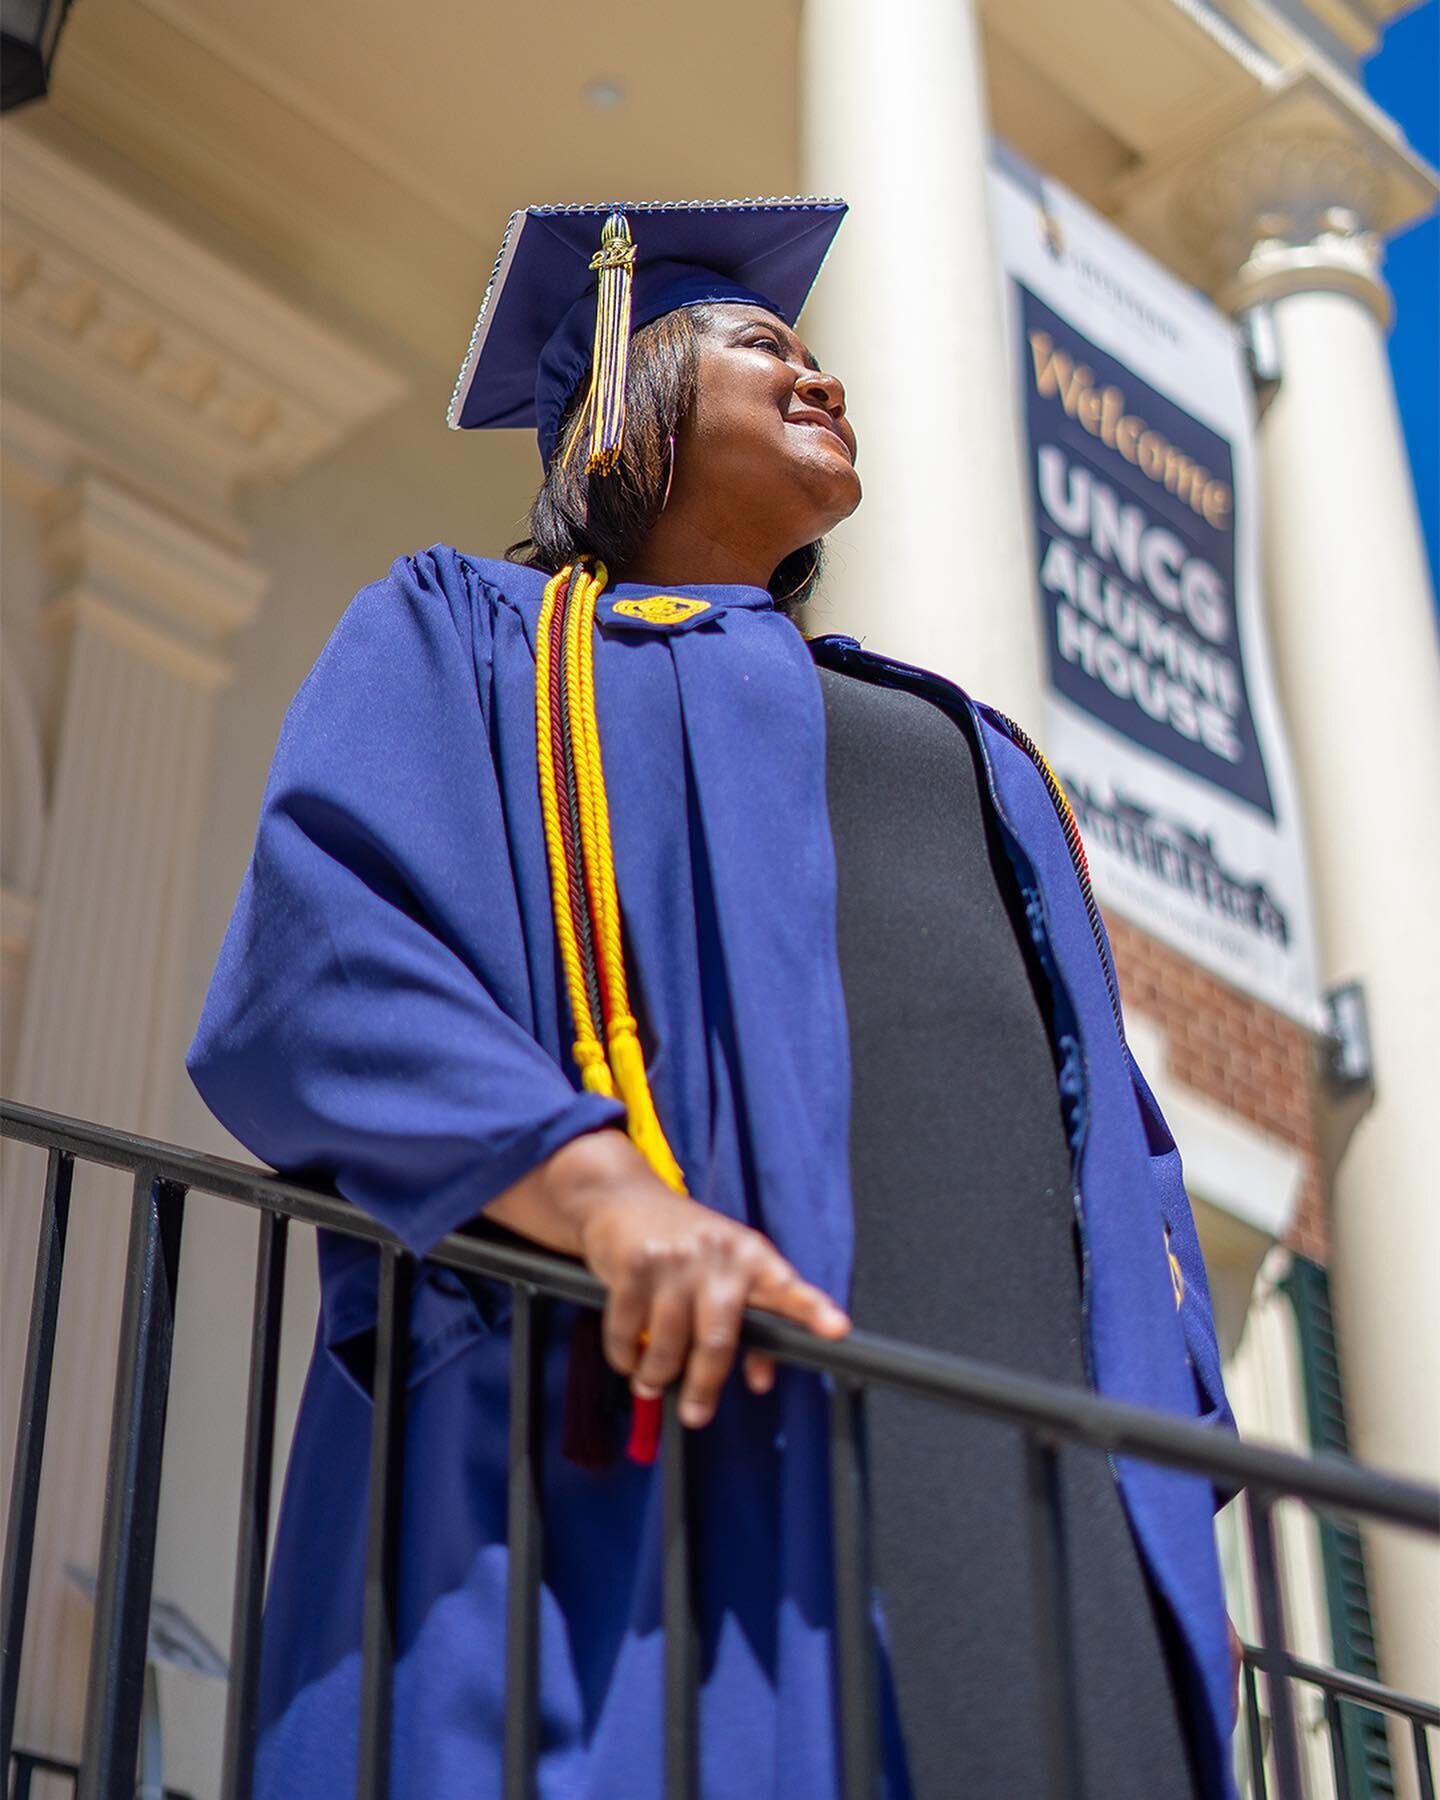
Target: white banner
{"x": 1137, "y": 420}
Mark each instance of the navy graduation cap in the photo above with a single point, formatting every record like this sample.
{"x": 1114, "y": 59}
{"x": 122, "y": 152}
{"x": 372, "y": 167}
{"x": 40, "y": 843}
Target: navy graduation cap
{"x": 572, "y": 283}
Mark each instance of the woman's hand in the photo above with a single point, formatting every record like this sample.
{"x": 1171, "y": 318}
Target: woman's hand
{"x": 678, "y": 1275}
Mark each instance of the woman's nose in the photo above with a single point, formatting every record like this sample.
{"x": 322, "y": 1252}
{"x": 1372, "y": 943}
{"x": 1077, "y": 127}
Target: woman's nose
{"x": 820, "y": 389}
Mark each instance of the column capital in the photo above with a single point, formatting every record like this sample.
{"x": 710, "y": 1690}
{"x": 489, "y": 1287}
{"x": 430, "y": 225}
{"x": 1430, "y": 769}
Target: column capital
{"x": 1295, "y": 192}
{"x": 162, "y": 589}
{"x": 100, "y": 537}
{"x": 1341, "y": 257}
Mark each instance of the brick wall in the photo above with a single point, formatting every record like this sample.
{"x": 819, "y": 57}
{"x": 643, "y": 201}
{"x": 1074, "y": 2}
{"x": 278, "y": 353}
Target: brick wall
{"x": 1234, "y": 1050}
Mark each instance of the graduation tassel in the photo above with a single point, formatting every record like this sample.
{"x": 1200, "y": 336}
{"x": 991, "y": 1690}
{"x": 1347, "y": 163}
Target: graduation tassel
{"x": 575, "y": 813}
{"x": 604, "y": 406}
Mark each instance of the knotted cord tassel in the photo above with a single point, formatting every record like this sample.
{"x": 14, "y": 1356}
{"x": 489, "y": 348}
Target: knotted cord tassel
{"x": 604, "y": 406}
{"x": 627, "y": 1063}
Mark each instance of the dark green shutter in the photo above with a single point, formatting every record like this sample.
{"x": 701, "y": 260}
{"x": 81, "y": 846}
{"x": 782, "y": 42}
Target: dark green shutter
{"x": 1347, "y": 1593}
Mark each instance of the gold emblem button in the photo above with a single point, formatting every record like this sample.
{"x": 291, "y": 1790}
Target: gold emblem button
{"x": 661, "y": 609}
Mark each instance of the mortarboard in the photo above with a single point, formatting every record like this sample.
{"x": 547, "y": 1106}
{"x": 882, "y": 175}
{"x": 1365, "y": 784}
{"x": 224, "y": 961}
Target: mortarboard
{"x": 572, "y": 283}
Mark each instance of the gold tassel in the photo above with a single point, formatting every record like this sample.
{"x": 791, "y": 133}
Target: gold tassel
{"x": 605, "y": 403}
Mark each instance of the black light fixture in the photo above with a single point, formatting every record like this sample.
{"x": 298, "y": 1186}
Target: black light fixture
{"x": 29, "y": 32}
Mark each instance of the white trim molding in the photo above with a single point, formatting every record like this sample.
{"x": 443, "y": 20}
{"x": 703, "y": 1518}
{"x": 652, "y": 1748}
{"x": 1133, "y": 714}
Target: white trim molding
{"x": 98, "y": 532}
{"x": 1238, "y": 1168}
{"x": 141, "y": 340}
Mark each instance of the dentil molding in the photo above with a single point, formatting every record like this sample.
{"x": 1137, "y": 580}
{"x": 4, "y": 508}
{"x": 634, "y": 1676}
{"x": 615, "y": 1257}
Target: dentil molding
{"x": 119, "y": 325}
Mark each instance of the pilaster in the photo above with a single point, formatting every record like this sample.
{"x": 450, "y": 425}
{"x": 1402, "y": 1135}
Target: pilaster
{"x": 147, "y": 385}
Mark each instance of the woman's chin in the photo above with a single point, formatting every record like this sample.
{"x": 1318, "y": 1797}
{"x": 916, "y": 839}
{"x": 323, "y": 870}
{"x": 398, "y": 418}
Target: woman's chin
{"x": 831, "y": 484}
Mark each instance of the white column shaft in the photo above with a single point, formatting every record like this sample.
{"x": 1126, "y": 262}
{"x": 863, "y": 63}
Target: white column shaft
{"x": 1354, "y": 631}
{"x": 96, "y": 1038}
{"x": 935, "y": 567}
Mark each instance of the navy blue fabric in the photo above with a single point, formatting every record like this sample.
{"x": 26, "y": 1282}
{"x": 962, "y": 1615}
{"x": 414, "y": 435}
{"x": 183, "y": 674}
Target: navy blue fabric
{"x": 544, "y": 292}
{"x": 386, "y": 1013}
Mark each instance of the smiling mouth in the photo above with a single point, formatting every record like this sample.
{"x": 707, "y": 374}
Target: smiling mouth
{"x": 829, "y": 430}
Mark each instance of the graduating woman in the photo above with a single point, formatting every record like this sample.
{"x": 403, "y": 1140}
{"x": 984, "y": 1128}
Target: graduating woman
{"x": 592, "y": 900}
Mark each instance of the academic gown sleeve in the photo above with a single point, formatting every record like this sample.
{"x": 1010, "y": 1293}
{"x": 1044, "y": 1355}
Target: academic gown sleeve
{"x": 369, "y": 1016}
{"x": 1198, "y": 1319}
{"x": 1197, "y": 1316}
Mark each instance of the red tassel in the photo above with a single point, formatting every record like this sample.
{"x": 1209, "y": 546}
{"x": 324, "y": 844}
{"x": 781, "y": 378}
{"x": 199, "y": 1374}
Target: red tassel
{"x": 645, "y": 1416}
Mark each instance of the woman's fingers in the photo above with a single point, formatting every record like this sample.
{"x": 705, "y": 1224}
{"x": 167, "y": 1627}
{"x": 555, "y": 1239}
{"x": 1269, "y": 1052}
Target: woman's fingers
{"x": 759, "y": 1371}
{"x": 668, "y": 1339}
{"x": 779, "y": 1289}
{"x": 718, "y": 1306}
{"x": 627, "y": 1311}
{"x": 678, "y": 1289}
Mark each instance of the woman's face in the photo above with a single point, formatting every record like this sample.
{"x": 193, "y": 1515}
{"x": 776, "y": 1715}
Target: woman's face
{"x": 768, "y": 433}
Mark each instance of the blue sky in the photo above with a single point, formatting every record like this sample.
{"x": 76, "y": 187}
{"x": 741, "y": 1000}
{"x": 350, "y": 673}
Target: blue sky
{"x": 1403, "y": 76}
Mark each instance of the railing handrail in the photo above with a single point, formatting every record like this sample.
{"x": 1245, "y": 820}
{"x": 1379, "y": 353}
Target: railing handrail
{"x": 1344, "y": 1684}
{"x": 1079, "y": 1415}
{"x": 1046, "y": 1414}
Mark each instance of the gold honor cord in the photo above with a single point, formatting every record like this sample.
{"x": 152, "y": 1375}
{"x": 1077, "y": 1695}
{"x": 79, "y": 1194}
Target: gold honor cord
{"x": 575, "y": 813}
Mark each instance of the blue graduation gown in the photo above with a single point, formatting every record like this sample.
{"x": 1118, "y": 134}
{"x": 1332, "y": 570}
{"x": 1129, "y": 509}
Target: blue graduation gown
{"x": 386, "y": 1012}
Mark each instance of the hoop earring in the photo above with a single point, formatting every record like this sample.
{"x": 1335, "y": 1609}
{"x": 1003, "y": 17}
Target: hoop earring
{"x": 804, "y": 581}
{"x": 670, "y": 478}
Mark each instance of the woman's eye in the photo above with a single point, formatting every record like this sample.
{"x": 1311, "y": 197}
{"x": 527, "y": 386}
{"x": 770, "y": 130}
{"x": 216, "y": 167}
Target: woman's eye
{"x": 762, "y": 343}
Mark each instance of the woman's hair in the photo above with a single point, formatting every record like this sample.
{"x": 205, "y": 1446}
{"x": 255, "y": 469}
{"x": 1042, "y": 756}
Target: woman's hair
{"x": 610, "y": 516}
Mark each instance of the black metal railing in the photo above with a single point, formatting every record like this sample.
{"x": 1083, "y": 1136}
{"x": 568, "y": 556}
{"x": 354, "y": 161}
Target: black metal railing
{"x": 1338, "y": 1690}
{"x": 26, "y": 1765}
{"x": 1048, "y": 1415}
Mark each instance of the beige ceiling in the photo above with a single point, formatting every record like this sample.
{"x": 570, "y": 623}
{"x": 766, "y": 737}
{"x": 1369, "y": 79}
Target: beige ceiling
{"x": 377, "y": 148}
{"x": 373, "y": 149}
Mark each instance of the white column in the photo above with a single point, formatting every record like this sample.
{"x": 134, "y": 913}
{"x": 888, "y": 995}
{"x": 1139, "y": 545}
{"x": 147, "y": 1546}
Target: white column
{"x": 140, "y": 602}
{"x": 936, "y": 566}
{"x": 1355, "y": 644}
{"x": 147, "y": 382}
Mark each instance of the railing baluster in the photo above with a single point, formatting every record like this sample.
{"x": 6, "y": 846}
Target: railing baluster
{"x": 257, "y": 1467}
{"x": 30, "y": 1436}
{"x": 1423, "y": 1773}
{"x": 854, "y": 1634}
{"x": 382, "y": 1547}
{"x": 164, "y": 1174}
{"x": 1259, "y": 1789}
{"x": 682, "y": 1632}
{"x": 115, "y": 1693}
{"x": 1272, "y": 1633}
{"x": 525, "y": 1550}
{"x": 1053, "y": 1630}
{"x": 24, "y": 1775}
{"x": 1335, "y": 1729}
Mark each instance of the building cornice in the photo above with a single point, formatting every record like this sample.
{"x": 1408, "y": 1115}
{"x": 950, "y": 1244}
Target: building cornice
{"x": 123, "y": 328}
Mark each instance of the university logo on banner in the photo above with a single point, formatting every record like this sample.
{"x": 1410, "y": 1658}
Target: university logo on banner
{"x": 1161, "y": 721}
